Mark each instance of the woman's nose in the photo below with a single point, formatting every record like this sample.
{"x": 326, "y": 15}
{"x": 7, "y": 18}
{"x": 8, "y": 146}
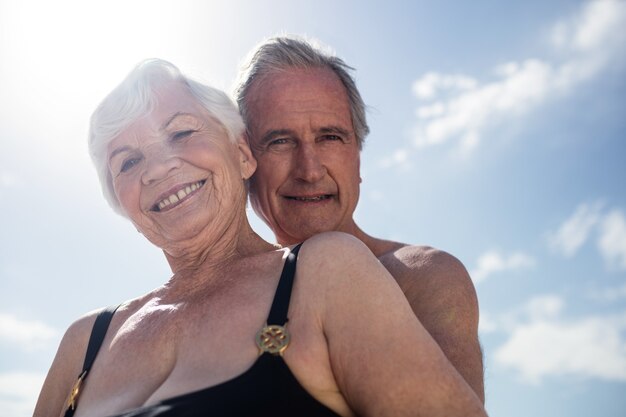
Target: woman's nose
{"x": 159, "y": 167}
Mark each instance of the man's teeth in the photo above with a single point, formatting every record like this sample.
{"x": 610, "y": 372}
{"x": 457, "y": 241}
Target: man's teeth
{"x": 318, "y": 198}
{"x": 175, "y": 198}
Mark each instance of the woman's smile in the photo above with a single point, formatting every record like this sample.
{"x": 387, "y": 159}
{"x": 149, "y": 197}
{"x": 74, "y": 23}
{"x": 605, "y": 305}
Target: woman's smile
{"x": 175, "y": 198}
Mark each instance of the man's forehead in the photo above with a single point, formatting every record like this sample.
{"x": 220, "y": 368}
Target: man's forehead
{"x": 300, "y": 80}
{"x": 296, "y": 94}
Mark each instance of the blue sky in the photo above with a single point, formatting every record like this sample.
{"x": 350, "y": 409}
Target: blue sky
{"x": 497, "y": 135}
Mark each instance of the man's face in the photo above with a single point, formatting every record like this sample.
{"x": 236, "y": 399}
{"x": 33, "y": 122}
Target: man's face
{"x": 301, "y": 134}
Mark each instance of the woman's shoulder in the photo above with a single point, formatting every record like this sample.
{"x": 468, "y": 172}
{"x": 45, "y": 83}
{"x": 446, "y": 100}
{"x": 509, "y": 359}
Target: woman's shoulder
{"x": 77, "y": 334}
{"x": 73, "y": 346}
{"x": 66, "y": 366}
{"x": 337, "y": 259}
{"x": 335, "y": 244}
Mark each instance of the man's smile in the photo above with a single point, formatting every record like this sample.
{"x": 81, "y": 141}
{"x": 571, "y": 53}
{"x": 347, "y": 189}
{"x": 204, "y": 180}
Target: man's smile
{"x": 311, "y": 199}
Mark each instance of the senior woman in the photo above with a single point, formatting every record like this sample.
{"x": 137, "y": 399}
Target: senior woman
{"x": 237, "y": 330}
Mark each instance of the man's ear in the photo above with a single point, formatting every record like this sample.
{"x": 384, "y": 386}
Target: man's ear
{"x": 247, "y": 162}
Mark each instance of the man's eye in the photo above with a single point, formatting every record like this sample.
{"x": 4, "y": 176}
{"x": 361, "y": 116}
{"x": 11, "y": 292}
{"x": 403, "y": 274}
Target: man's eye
{"x": 128, "y": 164}
{"x": 182, "y": 134}
{"x": 280, "y": 143}
{"x": 332, "y": 137}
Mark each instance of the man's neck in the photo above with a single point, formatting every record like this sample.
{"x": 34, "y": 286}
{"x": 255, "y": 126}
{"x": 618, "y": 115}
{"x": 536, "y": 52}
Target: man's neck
{"x": 379, "y": 247}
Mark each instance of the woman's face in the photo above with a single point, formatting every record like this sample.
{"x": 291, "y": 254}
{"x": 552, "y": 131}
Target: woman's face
{"x": 175, "y": 172}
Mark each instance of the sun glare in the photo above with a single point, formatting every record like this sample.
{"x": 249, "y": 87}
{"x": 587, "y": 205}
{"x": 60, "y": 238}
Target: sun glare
{"x": 65, "y": 56}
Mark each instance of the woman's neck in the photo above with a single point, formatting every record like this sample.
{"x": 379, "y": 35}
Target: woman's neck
{"x": 206, "y": 257}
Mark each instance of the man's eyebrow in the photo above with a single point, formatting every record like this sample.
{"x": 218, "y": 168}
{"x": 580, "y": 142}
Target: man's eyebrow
{"x": 288, "y": 132}
{"x": 334, "y": 129}
{"x": 273, "y": 133}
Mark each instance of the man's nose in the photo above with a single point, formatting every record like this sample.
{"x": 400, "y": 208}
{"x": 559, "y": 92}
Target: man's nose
{"x": 158, "y": 167}
{"x": 309, "y": 164}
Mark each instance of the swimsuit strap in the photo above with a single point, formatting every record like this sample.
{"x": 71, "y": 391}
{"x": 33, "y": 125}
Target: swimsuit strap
{"x": 280, "y": 305}
{"x": 98, "y": 331}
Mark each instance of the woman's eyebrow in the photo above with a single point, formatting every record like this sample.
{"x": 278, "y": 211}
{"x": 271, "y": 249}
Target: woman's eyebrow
{"x": 176, "y": 115}
{"x": 119, "y": 150}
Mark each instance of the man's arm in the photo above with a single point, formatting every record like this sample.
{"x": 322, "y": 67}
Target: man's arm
{"x": 442, "y": 296}
{"x": 382, "y": 358}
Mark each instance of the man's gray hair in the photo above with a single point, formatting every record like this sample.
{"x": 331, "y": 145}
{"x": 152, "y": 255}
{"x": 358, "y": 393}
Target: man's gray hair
{"x": 283, "y": 52}
{"x": 134, "y": 98}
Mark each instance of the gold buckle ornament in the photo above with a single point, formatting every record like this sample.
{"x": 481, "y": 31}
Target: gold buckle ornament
{"x": 75, "y": 392}
{"x": 273, "y": 339}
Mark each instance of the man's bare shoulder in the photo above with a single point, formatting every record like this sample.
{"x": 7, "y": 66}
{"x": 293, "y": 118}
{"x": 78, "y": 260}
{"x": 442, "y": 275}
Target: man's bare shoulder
{"x": 436, "y": 284}
{"x": 442, "y": 295}
{"x": 415, "y": 265}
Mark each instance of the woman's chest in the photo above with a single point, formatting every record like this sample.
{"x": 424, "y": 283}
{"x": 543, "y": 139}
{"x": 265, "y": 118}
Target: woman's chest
{"x": 161, "y": 354}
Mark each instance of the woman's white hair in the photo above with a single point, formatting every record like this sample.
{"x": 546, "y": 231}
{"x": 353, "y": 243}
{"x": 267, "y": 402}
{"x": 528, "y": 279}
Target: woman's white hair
{"x": 134, "y": 98}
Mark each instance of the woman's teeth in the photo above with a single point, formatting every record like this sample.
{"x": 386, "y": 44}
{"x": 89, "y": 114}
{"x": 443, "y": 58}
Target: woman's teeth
{"x": 179, "y": 195}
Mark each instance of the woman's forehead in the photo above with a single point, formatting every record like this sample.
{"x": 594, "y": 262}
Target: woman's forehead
{"x": 173, "y": 104}
{"x": 174, "y": 97}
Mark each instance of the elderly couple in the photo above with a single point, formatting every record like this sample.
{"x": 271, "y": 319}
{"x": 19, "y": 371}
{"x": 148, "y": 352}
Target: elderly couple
{"x": 323, "y": 324}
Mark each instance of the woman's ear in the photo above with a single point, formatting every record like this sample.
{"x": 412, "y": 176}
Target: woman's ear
{"x": 247, "y": 162}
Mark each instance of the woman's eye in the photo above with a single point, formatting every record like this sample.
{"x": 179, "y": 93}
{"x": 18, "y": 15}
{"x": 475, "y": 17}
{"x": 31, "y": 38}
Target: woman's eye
{"x": 128, "y": 164}
{"x": 182, "y": 134}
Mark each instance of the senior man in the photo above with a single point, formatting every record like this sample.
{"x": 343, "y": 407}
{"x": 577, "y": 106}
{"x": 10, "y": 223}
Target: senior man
{"x": 306, "y": 124}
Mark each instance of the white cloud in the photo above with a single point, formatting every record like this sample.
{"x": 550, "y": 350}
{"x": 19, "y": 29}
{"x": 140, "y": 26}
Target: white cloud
{"x": 468, "y": 113}
{"x": 574, "y": 231}
{"x": 610, "y": 294}
{"x": 612, "y": 240}
{"x": 462, "y": 108}
{"x": 597, "y": 25}
{"x": 545, "y": 345}
{"x": 19, "y": 392}
{"x": 544, "y": 307}
{"x": 432, "y": 83}
{"x": 538, "y": 307}
{"x": 27, "y": 335}
{"x": 587, "y": 219}
{"x": 486, "y": 323}
{"x": 399, "y": 159}
{"x": 493, "y": 261}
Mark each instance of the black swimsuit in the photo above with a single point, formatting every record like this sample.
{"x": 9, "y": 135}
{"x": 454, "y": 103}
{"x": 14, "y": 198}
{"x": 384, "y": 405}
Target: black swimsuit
{"x": 268, "y": 388}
